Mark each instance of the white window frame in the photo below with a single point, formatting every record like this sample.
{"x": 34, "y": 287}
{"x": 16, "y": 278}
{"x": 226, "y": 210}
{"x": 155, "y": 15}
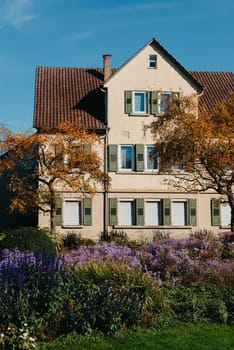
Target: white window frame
{"x": 225, "y": 214}
{"x": 161, "y": 99}
{"x": 178, "y": 164}
{"x": 153, "y": 61}
{"x": 159, "y": 213}
{"x": 132, "y": 158}
{"x": 156, "y": 161}
{"x": 79, "y": 216}
{"x": 135, "y": 111}
{"x": 185, "y": 210}
{"x": 132, "y": 208}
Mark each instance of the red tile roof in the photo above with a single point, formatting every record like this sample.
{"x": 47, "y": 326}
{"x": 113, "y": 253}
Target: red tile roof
{"x": 217, "y": 86}
{"x": 69, "y": 94}
{"x": 75, "y": 95}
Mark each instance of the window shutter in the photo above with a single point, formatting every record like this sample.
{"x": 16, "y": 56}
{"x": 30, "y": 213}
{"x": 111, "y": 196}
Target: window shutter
{"x": 140, "y": 211}
{"x": 154, "y": 102}
{"x": 113, "y": 211}
{"x": 128, "y": 101}
{"x": 87, "y": 211}
{"x": 192, "y": 212}
{"x": 166, "y": 211}
{"x": 58, "y": 214}
{"x": 215, "y": 212}
{"x": 139, "y": 157}
{"x": 112, "y": 157}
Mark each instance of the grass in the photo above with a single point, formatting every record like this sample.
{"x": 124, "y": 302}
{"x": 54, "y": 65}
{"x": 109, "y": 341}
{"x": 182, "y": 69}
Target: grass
{"x": 184, "y": 337}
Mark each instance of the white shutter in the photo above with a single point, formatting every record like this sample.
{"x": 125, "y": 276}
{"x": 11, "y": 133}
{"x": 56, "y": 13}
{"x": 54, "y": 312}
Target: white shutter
{"x": 71, "y": 213}
{"x": 225, "y": 215}
{"x": 178, "y": 213}
{"x": 152, "y": 213}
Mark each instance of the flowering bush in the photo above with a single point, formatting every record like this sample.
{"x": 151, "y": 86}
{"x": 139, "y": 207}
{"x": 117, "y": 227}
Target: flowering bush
{"x": 102, "y": 252}
{"x": 107, "y": 286}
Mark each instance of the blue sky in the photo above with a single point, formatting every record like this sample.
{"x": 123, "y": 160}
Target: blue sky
{"x": 198, "y": 33}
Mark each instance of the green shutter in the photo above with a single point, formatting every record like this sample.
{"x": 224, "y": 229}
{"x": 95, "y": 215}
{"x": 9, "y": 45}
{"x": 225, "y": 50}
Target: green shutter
{"x": 166, "y": 211}
{"x": 112, "y": 157}
{"x": 113, "y": 211}
{"x": 140, "y": 212}
{"x": 139, "y": 157}
{"x": 128, "y": 101}
{"x": 154, "y": 102}
{"x": 192, "y": 212}
{"x": 215, "y": 212}
{"x": 58, "y": 214}
{"x": 87, "y": 211}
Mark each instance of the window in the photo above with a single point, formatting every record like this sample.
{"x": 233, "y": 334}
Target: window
{"x": 163, "y": 101}
{"x": 126, "y": 212}
{"x": 152, "y": 61}
{"x": 126, "y": 157}
{"x": 179, "y": 212}
{"x": 72, "y": 212}
{"x": 178, "y": 163}
{"x": 152, "y": 160}
{"x": 153, "y": 212}
{"x": 139, "y": 102}
{"x": 225, "y": 211}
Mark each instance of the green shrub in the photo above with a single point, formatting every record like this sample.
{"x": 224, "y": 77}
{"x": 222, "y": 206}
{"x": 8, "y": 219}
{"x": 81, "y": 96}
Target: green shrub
{"x": 73, "y": 241}
{"x": 109, "y": 297}
{"x": 201, "y": 301}
{"x": 31, "y": 239}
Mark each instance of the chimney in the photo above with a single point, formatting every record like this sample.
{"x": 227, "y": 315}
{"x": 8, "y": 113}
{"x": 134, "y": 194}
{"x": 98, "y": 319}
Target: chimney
{"x": 106, "y": 66}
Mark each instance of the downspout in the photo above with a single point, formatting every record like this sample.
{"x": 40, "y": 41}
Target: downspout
{"x": 105, "y": 194}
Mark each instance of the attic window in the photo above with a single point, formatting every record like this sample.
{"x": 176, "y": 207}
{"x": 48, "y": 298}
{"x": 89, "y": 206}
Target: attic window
{"x": 152, "y": 61}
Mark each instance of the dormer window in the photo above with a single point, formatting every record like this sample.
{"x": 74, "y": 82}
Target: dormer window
{"x": 152, "y": 61}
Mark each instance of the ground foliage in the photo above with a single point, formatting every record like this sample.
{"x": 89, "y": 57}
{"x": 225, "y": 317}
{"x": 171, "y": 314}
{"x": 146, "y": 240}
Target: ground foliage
{"x": 108, "y": 287}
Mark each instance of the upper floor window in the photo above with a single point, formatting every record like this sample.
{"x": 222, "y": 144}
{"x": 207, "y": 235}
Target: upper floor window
{"x": 163, "y": 101}
{"x": 152, "y": 61}
{"x": 152, "y": 159}
{"x": 139, "y": 102}
{"x": 126, "y": 157}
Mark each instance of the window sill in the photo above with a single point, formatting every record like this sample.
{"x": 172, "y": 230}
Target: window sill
{"x": 138, "y": 114}
{"x": 71, "y": 226}
{"x": 151, "y": 227}
{"x": 134, "y": 172}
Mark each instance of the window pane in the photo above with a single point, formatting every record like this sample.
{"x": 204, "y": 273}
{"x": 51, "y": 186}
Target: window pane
{"x": 152, "y": 213}
{"x": 152, "y": 159}
{"x": 71, "y": 213}
{"x": 126, "y": 213}
{"x": 152, "y": 61}
{"x": 139, "y": 102}
{"x": 164, "y": 101}
{"x": 225, "y": 214}
{"x": 126, "y": 157}
{"x": 179, "y": 213}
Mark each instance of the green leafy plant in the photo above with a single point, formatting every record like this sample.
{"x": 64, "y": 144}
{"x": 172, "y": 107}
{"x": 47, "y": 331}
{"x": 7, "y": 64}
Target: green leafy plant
{"x": 32, "y": 239}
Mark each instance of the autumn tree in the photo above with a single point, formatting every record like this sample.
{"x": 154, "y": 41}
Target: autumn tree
{"x": 202, "y": 147}
{"x": 39, "y": 165}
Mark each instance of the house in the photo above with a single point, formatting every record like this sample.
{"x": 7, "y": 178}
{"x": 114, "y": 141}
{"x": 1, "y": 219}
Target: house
{"x": 119, "y": 104}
